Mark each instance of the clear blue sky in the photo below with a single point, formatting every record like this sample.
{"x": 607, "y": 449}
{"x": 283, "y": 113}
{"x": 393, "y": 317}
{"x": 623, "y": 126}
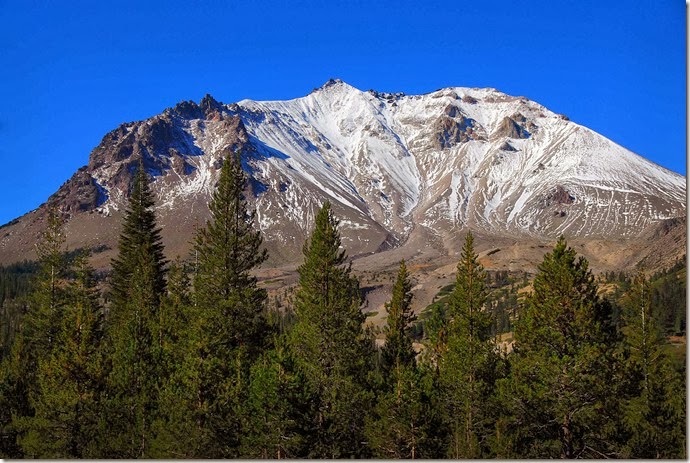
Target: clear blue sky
{"x": 72, "y": 71}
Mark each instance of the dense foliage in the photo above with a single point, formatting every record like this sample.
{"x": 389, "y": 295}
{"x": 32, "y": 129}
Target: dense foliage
{"x": 192, "y": 360}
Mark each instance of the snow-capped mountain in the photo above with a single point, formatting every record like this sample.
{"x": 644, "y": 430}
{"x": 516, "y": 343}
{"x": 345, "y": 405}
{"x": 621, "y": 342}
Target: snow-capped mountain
{"x": 394, "y": 166}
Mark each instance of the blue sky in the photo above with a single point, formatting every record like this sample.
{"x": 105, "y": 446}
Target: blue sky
{"x": 72, "y": 71}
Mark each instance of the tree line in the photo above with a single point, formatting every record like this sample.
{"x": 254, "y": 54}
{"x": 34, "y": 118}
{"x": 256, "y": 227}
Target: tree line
{"x": 186, "y": 360}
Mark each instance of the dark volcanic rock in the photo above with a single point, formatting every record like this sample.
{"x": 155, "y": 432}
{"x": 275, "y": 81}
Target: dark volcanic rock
{"x": 558, "y": 196}
{"x": 513, "y": 127}
{"x": 162, "y": 142}
{"x": 454, "y": 128}
{"x": 468, "y": 99}
{"x": 78, "y": 194}
{"x": 667, "y": 226}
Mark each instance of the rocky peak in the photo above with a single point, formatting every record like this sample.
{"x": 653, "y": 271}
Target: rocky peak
{"x": 453, "y": 128}
{"x": 78, "y": 194}
{"x": 187, "y": 110}
{"x": 333, "y": 84}
{"x": 209, "y": 105}
{"x": 207, "y": 108}
{"x": 389, "y": 97}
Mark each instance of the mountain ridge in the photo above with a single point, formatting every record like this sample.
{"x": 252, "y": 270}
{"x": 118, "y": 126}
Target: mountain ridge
{"x": 398, "y": 168}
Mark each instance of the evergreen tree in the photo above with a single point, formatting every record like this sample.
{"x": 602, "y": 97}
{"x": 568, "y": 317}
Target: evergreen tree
{"x": 70, "y": 381}
{"x": 467, "y": 370}
{"x": 275, "y": 417}
{"x": 228, "y": 328}
{"x": 174, "y": 318}
{"x": 14, "y": 400}
{"x": 436, "y": 338}
{"x": 140, "y": 244}
{"x": 37, "y": 335}
{"x": 559, "y": 394}
{"x": 47, "y": 300}
{"x": 397, "y": 351}
{"x": 654, "y": 414}
{"x": 172, "y": 426}
{"x": 228, "y": 249}
{"x": 400, "y": 423}
{"x": 331, "y": 348}
{"x": 137, "y": 286}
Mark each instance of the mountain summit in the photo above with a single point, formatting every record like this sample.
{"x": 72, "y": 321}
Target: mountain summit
{"x": 400, "y": 170}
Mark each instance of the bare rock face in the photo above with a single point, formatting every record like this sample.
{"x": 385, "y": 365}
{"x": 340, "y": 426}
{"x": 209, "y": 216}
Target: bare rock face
{"x": 79, "y": 194}
{"x": 558, "y": 196}
{"x": 469, "y": 99}
{"x": 512, "y": 128}
{"x": 407, "y": 174}
{"x": 454, "y": 128}
{"x": 165, "y": 143}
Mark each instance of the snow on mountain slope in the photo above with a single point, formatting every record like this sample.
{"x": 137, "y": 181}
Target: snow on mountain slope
{"x": 465, "y": 157}
{"x": 393, "y": 166}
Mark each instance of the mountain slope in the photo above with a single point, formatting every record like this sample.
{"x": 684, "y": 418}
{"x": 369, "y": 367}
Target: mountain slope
{"x": 400, "y": 171}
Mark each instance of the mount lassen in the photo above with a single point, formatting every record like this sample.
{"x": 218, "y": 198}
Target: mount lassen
{"x": 401, "y": 171}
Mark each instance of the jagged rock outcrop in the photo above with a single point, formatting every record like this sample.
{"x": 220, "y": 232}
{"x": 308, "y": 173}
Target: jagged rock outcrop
{"x": 78, "y": 194}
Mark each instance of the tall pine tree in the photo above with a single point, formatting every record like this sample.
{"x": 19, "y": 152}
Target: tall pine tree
{"x": 137, "y": 286}
{"x": 140, "y": 244}
{"x": 174, "y": 318}
{"x": 400, "y": 424}
{"x": 397, "y": 351}
{"x": 228, "y": 328}
{"x": 48, "y": 295}
{"x": 654, "y": 412}
{"x": 228, "y": 249}
{"x": 330, "y": 345}
{"x": 38, "y": 333}
{"x": 70, "y": 381}
{"x": 467, "y": 369}
{"x": 276, "y": 407}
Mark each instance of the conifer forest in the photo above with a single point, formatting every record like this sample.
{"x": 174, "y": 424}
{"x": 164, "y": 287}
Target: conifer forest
{"x": 187, "y": 358}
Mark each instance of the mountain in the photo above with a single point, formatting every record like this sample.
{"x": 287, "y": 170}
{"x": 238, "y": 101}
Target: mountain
{"x": 406, "y": 173}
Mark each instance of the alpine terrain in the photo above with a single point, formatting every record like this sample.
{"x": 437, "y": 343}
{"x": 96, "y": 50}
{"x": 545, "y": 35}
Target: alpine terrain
{"x": 406, "y": 174}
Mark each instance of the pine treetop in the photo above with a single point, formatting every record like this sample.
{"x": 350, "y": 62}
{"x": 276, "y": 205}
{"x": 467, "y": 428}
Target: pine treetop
{"x": 564, "y": 308}
{"x": 140, "y": 234}
{"x": 398, "y": 348}
{"x": 469, "y": 296}
{"x": 324, "y": 279}
{"x": 229, "y": 247}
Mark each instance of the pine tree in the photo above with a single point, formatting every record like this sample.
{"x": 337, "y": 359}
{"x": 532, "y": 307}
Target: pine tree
{"x": 331, "y": 348}
{"x": 559, "y": 394}
{"x": 228, "y": 249}
{"x": 70, "y": 381}
{"x": 400, "y": 423}
{"x": 654, "y": 414}
{"x": 397, "y": 351}
{"x": 137, "y": 286}
{"x": 275, "y": 417}
{"x": 140, "y": 244}
{"x": 227, "y": 328}
{"x": 174, "y": 318}
{"x": 48, "y": 294}
{"x": 467, "y": 369}
{"x": 174, "y": 427}
{"x": 38, "y": 331}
